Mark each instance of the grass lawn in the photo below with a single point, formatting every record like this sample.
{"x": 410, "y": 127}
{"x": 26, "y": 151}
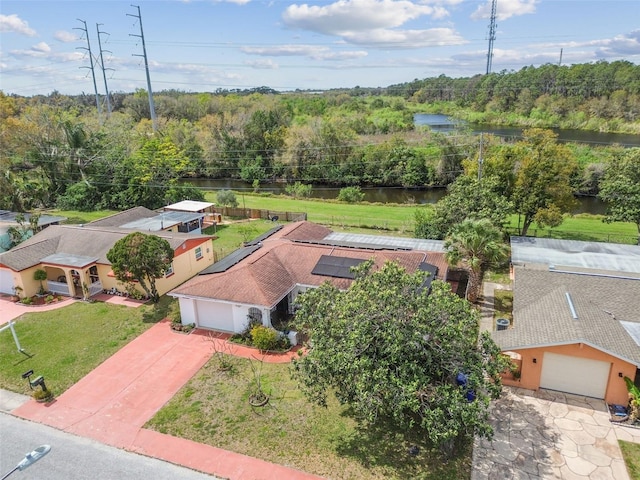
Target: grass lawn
{"x": 631, "y": 455}
{"x": 213, "y": 408}
{"x": 231, "y": 236}
{"x": 67, "y": 343}
{"x": 399, "y": 219}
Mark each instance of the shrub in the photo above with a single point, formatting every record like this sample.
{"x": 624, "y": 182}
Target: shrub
{"x": 227, "y": 198}
{"x": 299, "y": 190}
{"x": 264, "y": 338}
{"x": 27, "y": 300}
{"x": 351, "y": 195}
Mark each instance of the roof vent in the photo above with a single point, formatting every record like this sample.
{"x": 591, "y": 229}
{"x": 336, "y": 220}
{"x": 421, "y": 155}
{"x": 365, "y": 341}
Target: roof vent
{"x": 574, "y": 315}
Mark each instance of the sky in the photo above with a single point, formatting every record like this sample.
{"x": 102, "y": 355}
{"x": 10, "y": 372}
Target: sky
{"x": 206, "y": 45}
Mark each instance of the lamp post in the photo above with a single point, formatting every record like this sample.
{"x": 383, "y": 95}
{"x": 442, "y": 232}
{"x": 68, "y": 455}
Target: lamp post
{"x": 29, "y": 459}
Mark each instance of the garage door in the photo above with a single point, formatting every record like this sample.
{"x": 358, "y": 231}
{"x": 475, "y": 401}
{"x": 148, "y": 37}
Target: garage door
{"x": 215, "y": 315}
{"x": 580, "y": 376}
{"x": 6, "y": 281}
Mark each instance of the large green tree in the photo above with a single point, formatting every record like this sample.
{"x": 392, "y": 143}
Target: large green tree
{"x": 620, "y": 189}
{"x": 142, "y": 258}
{"x": 476, "y": 245}
{"x": 392, "y": 350}
{"x": 544, "y": 169}
{"x": 467, "y": 198}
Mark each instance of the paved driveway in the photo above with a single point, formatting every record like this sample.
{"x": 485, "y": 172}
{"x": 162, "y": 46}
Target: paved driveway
{"x": 11, "y": 310}
{"x": 545, "y": 434}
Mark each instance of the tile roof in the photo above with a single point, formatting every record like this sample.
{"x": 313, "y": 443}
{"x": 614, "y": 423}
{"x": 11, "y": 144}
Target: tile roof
{"x": 270, "y": 273}
{"x": 543, "y": 317}
{"x": 87, "y": 241}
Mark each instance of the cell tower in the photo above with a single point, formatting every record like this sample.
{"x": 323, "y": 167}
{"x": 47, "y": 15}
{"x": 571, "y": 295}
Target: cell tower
{"x": 492, "y": 34}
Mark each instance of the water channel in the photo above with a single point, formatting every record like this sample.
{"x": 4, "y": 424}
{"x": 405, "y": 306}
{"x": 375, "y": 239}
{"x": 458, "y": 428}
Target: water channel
{"x": 445, "y": 124}
{"x": 374, "y": 194}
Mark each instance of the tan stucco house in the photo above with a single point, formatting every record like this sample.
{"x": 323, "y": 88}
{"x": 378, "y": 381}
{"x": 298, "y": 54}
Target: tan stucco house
{"x": 74, "y": 257}
{"x": 576, "y": 317}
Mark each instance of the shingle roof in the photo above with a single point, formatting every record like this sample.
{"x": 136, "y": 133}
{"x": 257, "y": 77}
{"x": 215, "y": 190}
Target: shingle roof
{"x": 270, "y": 273}
{"x": 543, "y": 317}
{"x": 122, "y": 218}
{"x": 87, "y": 241}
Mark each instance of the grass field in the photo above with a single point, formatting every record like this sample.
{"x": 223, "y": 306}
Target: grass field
{"x": 399, "y": 219}
{"x": 66, "y": 344}
{"x": 213, "y": 408}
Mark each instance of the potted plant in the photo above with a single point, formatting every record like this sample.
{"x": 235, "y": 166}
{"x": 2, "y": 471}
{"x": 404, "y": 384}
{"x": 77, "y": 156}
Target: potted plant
{"x": 40, "y": 275}
{"x": 17, "y": 294}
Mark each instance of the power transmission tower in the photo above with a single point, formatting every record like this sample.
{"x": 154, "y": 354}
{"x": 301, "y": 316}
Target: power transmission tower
{"x": 104, "y": 75}
{"x": 152, "y": 108}
{"x": 93, "y": 73}
{"x": 492, "y": 34}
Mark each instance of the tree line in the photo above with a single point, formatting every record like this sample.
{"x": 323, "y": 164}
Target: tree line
{"x": 56, "y": 151}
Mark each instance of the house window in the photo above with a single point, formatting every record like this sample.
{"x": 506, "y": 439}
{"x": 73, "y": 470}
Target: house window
{"x": 93, "y": 274}
{"x": 169, "y": 270}
{"x": 255, "y": 315}
{"x": 198, "y": 253}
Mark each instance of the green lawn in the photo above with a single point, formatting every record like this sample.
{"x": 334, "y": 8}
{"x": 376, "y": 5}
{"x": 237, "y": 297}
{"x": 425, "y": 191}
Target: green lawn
{"x": 631, "y": 455}
{"x": 213, "y": 408}
{"x": 399, "y": 219}
{"x": 67, "y": 343}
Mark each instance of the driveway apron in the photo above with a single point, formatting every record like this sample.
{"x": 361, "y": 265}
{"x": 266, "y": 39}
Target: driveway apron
{"x": 113, "y": 402}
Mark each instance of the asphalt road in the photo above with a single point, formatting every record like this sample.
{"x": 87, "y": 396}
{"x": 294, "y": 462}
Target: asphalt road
{"x": 73, "y": 457}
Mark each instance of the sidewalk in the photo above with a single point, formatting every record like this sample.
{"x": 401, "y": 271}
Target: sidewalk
{"x": 113, "y": 402}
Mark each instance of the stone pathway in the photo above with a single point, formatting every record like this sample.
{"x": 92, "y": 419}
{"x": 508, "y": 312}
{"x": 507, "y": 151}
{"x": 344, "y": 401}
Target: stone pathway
{"x": 545, "y": 434}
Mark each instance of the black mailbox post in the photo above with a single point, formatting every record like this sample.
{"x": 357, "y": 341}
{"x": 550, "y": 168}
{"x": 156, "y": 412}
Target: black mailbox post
{"x": 38, "y": 381}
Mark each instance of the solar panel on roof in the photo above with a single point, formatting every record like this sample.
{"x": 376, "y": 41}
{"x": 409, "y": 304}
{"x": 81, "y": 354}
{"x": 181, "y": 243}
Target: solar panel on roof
{"x": 230, "y": 260}
{"x": 334, "y": 266}
{"x": 264, "y": 236}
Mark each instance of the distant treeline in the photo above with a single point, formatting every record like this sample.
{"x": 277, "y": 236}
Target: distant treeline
{"x": 56, "y": 146}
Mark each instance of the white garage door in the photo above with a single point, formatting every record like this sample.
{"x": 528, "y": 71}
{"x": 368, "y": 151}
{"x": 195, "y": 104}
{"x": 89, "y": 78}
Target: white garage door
{"x": 580, "y": 376}
{"x": 215, "y": 315}
{"x": 6, "y": 281}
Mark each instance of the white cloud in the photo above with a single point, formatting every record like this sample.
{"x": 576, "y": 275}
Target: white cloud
{"x": 263, "y": 64}
{"x": 348, "y": 16}
{"x": 505, "y": 9}
{"x": 41, "y": 47}
{"x": 621, "y": 45}
{"x": 13, "y": 23}
{"x": 406, "y": 38}
{"x": 315, "y": 52}
{"x": 65, "y": 37}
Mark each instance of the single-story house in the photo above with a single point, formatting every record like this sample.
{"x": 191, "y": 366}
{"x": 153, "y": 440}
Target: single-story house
{"x": 576, "y": 321}
{"x": 261, "y": 280}
{"x": 145, "y": 220}
{"x": 75, "y": 256}
{"x": 9, "y": 219}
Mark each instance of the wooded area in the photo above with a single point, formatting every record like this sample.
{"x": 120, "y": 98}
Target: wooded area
{"x": 57, "y": 151}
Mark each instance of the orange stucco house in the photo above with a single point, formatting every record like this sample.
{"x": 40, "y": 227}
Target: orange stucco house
{"x": 576, "y": 321}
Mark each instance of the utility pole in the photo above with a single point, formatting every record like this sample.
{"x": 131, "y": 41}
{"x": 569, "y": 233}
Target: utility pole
{"x": 492, "y": 34}
{"x": 152, "y": 108}
{"x": 104, "y": 75}
{"x": 93, "y": 73}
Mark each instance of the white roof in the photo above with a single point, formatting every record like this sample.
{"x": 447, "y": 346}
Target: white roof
{"x": 190, "y": 206}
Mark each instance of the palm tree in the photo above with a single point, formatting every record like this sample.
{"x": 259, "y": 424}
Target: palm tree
{"x": 476, "y": 245}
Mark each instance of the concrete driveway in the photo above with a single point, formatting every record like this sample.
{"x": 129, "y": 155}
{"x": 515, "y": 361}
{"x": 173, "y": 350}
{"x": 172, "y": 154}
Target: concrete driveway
{"x": 546, "y": 434}
{"x": 11, "y": 310}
